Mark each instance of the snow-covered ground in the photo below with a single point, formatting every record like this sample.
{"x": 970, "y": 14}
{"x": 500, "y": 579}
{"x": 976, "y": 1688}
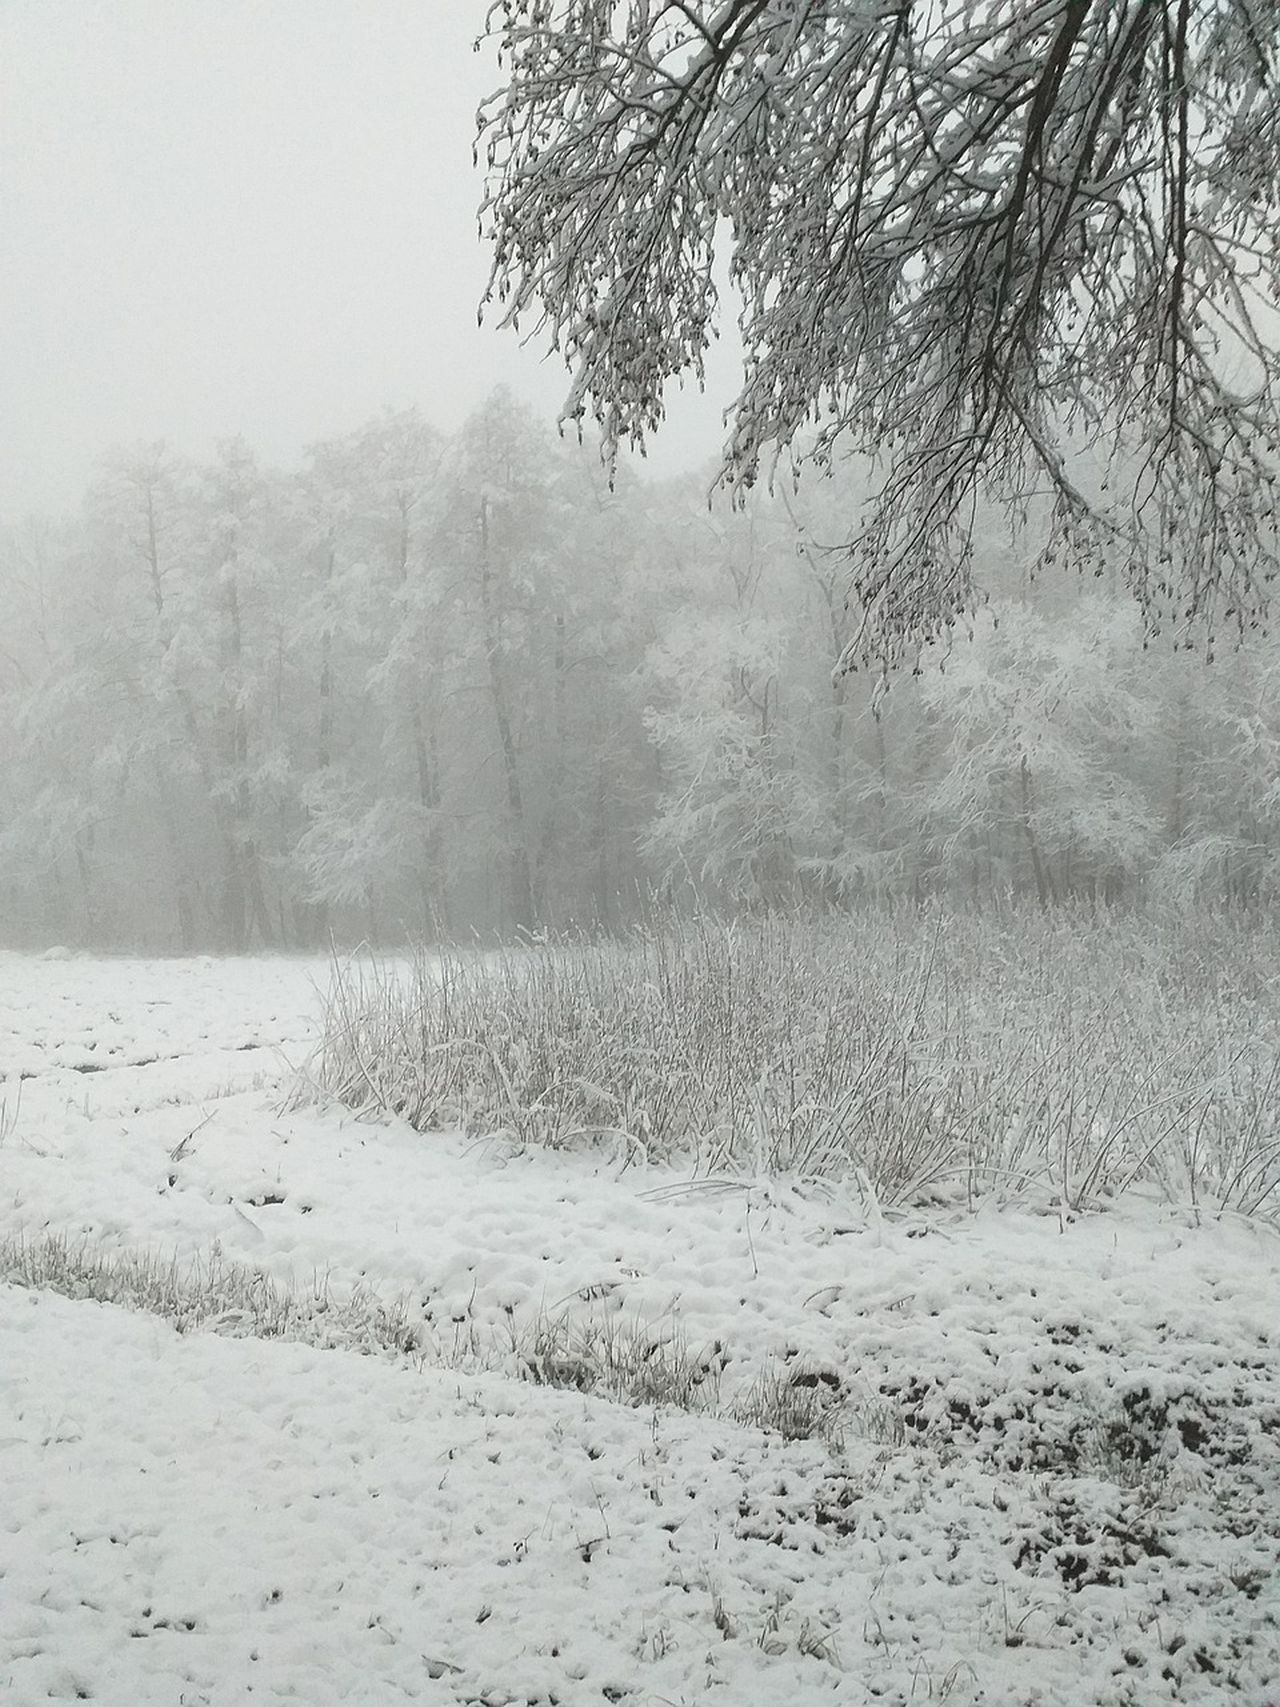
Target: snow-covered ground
{"x": 1048, "y": 1471}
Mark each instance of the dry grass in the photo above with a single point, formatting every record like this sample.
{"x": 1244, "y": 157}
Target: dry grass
{"x": 211, "y": 1292}
{"x": 633, "y": 1362}
{"x": 610, "y": 1355}
{"x": 1062, "y": 1058}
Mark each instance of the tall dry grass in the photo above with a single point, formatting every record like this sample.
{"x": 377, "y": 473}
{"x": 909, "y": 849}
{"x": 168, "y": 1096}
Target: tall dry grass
{"x": 1066, "y": 1055}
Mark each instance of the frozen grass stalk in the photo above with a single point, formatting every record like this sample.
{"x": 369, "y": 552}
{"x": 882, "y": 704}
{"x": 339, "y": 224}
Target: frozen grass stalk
{"x": 1054, "y": 1058}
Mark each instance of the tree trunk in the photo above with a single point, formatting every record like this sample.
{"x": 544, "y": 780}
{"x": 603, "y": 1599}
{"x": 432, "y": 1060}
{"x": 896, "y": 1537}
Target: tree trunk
{"x": 173, "y": 843}
{"x": 246, "y": 902}
{"x": 1043, "y": 890}
{"x": 553, "y": 805}
{"x": 426, "y": 759}
{"x": 191, "y": 724}
{"x": 521, "y": 876}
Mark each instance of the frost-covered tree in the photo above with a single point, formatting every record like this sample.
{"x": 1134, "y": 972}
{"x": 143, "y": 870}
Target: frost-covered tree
{"x": 64, "y": 717}
{"x": 1228, "y": 840}
{"x": 468, "y": 684}
{"x": 724, "y": 821}
{"x": 1027, "y": 249}
{"x": 372, "y": 623}
{"x": 1032, "y": 724}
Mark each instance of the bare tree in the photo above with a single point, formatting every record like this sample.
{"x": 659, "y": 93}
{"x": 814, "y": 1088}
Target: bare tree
{"x": 1016, "y": 249}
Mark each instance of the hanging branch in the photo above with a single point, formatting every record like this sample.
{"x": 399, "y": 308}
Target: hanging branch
{"x": 1017, "y": 250}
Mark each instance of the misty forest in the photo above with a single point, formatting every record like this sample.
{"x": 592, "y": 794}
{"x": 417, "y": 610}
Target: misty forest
{"x": 648, "y": 1081}
{"x": 447, "y": 685}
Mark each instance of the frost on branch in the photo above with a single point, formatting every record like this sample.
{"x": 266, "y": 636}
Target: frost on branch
{"x": 1021, "y": 250}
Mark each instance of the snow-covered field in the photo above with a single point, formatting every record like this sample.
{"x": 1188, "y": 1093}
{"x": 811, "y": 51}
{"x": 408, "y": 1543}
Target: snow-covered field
{"x": 1047, "y": 1468}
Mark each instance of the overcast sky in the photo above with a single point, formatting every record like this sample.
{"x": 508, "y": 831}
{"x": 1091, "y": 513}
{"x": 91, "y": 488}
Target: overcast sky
{"x": 254, "y": 216}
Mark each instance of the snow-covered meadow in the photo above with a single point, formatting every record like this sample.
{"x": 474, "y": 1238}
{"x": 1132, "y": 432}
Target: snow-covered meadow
{"x": 361, "y": 1448}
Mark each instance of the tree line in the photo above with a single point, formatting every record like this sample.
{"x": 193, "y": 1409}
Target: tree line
{"x": 450, "y": 684}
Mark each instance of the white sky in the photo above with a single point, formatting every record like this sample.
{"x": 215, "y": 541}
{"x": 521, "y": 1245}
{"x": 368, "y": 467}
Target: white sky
{"x": 255, "y": 216}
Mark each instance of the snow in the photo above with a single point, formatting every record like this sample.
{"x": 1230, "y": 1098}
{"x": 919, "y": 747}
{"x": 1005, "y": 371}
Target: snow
{"x": 1050, "y": 1470}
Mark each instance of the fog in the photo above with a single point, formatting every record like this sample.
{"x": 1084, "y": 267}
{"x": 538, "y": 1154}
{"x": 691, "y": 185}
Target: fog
{"x": 227, "y": 217}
